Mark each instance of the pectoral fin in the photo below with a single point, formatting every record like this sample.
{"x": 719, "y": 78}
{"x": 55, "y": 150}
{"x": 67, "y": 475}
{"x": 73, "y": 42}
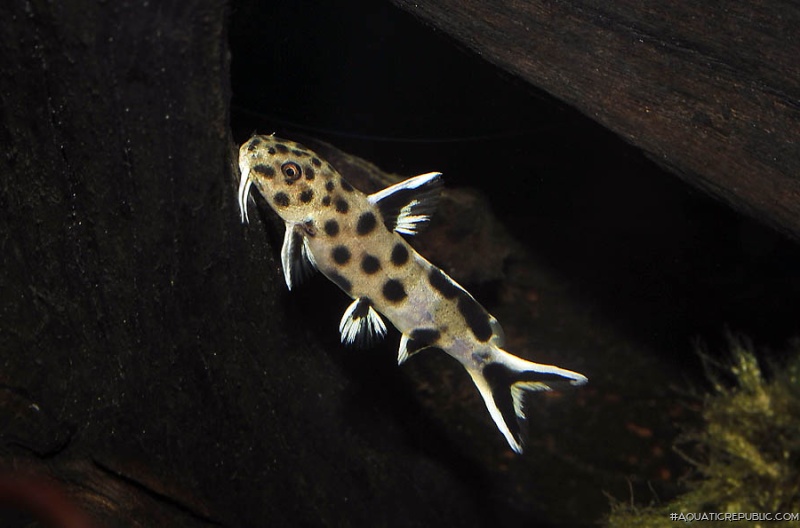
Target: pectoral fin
{"x": 296, "y": 257}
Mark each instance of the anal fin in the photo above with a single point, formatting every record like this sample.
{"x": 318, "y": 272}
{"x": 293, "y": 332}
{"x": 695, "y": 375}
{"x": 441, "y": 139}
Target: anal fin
{"x": 419, "y": 340}
{"x": 361, "y": 325}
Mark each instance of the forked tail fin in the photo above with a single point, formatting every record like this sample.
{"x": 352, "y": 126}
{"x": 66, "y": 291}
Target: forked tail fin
{"x": 503, "y": 381}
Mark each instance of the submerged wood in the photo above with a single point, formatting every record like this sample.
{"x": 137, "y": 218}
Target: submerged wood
{"x": 709, "y": 91}
{"x": 153, "y": 369}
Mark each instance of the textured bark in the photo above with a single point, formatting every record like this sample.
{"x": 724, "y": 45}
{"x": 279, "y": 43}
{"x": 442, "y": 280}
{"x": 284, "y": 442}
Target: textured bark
{"x": 146, "y": 369}
{"x": 153, "y": 371}
{"x": 710, "y": 91}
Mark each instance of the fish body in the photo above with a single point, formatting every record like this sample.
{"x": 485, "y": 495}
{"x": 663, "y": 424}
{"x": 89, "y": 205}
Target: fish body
{"x": 355, "y": 240}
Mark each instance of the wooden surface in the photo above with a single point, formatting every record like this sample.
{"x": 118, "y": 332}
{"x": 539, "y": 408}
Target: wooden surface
{"x": 709, "y": 90}
{"x": 154, "y": 371}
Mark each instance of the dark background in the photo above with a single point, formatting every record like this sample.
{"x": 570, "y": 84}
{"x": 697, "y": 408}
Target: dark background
{"x": 669, "y": 261}
{"x": 663, "y": 269}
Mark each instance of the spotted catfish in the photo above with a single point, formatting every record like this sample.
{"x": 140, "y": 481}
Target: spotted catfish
{"x": 354, "y": 240}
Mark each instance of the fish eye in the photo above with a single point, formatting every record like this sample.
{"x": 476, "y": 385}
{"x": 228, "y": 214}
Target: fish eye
{"x": 291, "y": 171}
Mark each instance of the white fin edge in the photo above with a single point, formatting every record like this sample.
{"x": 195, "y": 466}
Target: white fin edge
{"x": 494, "y": 412}
{"x": 244, "y": 191}
{"x": 308, "y": 255}
{"x": 498, "y": 335}
{"x": 402, "y": 353}
{"x": 522, "y": 365}
{"x": 296, "y": 262}
{"x": 418, "y": 340}
{"x": 286, "y": 255}
{"x": 517, "y": 367}
{"x": 410, "y": 216}
{"x": 518, "y": 394}
{"x": 357, "y": 327}
{"x": 407, "y": 221}
{"x": 414, "y": 182}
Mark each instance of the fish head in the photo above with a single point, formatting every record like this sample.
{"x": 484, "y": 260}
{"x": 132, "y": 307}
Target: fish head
{"x": 290, "y": 177}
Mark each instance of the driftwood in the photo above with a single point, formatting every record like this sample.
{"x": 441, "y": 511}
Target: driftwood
{"x": 710, "y": 91}
{"x": 153, "y": 369}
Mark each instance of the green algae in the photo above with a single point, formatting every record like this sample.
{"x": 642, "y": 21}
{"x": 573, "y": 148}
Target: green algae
{"x": 746, "y": 453}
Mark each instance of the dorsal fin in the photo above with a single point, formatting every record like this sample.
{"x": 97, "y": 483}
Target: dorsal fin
{"x": 296, "y": 258}
{"x": 408, "y": 205}
{"x": 361, "y": 325}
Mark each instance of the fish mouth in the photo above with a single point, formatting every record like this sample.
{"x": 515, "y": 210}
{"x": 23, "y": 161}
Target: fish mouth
{"x": 244, "y": 191}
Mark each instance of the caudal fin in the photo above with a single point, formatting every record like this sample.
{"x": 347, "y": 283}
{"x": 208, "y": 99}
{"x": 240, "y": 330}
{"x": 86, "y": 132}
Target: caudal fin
{"x": 503, "y": 381}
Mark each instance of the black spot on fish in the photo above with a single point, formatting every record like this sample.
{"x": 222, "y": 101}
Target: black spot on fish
{"x": 442, "y": 283}
{"x": 315, "y": 160}
{"x": 342, "y": 206}
{"x": 253, "y": 144}
{"x": 281, "y": 199}
{"x": 341, "y": 255}
{"x": 271, "y": 150}
{"x": 329, "y": 185}
{"x": 476, "y": 317}
{"x": 300, "y": 152}
{"x": 370, "y": 264}
{"x": 346, "y": 186}
{"x": 428, "y": 336}
{"x": 309, "y": 173}
{"x": 326, "y": 201}
{"x": 283, "y": 149}
{"x": 421, "y": 338}
{"x": 393, "y": 290}
{"x": 332, "y": 228}
{"x": 341, "y": 282}
{"x": 399, "y": 254}
{"x": 306, "y": 196}
{"x": 266, "y": 170}
{"x": 366, "y": 223}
